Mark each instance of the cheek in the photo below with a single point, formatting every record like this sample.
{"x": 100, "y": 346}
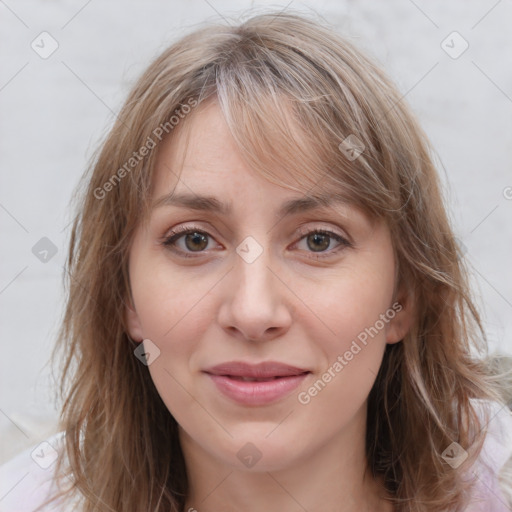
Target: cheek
{"x": 352, "y": 347}
{"x": 348, "y": 306}
{"x": 349, "y": 329}
{"x": 353, "y": 314}
{"x": 170, "y": 303}
{"x": 174, "y": 309}
{"x": 174, "y": 314}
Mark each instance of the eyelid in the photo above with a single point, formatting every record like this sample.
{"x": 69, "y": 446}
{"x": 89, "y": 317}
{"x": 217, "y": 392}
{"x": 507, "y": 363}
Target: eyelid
{"x": 303, "y": 231}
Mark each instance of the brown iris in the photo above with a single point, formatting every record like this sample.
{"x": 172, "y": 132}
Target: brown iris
{"x": 198, "y": 241}
{"x": 320, "y": 239}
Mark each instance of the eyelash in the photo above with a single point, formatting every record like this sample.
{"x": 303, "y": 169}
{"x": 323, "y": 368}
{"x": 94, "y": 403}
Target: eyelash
{"x": 173, "y": 236}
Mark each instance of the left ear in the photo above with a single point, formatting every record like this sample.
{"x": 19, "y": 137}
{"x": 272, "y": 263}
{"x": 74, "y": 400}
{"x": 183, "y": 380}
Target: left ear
{"x": 401, "y": 323}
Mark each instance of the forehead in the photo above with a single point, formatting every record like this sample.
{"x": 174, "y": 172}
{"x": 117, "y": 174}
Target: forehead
{"x": 201, "y": 148}
{"x": 200, "y": 167}
{"x": 212, "y": 141}
{"x": 200, "y": 161}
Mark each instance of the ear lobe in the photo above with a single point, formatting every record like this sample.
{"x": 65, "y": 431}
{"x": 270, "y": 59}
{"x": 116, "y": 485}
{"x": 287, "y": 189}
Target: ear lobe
{"x": 133, "y": 323}
{"x": 402, "y": 322}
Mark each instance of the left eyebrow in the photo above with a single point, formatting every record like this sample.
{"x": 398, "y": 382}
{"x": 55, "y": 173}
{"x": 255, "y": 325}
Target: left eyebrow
{"x": 212, "y": 204}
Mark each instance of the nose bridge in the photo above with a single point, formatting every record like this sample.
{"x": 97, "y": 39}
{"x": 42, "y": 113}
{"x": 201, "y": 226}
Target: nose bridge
{"x": 253, "y": 276}
{"x": 256, "y": 306}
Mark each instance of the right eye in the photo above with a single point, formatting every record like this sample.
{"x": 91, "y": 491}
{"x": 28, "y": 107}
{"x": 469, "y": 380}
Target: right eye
{"x": 193, "y": 240}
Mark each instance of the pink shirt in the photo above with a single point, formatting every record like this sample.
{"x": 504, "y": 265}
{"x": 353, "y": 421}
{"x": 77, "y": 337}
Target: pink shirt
{"x": 27, "y": 479}
{"x": 487, "y": 496}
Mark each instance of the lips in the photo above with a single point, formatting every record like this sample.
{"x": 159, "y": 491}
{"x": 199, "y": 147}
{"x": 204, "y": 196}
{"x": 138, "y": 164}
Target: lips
{"x": 257, "y": 384}
{"x": 261, "y": 371}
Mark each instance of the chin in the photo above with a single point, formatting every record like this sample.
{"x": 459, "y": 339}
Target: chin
{"x": 257, "y": 453}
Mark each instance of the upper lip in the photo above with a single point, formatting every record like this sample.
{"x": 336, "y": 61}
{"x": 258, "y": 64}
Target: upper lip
{"x": 261, "y": 370}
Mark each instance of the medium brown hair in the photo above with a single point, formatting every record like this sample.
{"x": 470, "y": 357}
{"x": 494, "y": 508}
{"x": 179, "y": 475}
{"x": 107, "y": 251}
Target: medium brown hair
{"x": 293, "y": 93}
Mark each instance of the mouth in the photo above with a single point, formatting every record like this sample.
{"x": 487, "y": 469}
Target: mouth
{"x": 256, "y": 384}
{"x": 261, "y": 371}
{"x": 256, "y": 379}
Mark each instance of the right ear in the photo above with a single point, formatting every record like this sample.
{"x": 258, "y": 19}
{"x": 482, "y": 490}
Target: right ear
{"x": 133, "y": 323}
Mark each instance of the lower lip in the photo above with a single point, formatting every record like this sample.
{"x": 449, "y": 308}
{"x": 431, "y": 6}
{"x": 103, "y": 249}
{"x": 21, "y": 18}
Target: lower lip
{"x": 257, "y": 392}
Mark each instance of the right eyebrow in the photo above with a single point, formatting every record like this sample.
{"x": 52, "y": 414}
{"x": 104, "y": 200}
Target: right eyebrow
{"x": 193, "y": 202}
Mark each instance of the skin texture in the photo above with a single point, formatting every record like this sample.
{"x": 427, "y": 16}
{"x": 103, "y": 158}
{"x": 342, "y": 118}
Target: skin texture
{"x": 285, "y": 306}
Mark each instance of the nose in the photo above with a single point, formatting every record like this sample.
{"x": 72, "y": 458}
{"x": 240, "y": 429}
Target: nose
{"x": 256, "y": 303}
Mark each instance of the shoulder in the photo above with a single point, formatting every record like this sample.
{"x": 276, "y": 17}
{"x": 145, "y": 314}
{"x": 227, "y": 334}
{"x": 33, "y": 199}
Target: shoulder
{"x": 28, "y": 479}
{"x": 493, "y": 490}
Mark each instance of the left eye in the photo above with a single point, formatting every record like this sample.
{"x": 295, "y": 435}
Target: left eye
{"x": 319, "y": 241}
{"x": 196, "y": 241}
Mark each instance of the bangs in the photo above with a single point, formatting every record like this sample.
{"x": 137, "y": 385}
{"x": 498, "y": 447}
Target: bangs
{"x": 317, "y": 125}
{"x": 299, "y": 135}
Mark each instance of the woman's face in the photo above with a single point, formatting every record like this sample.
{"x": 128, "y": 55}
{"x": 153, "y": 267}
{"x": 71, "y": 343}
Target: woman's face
{"x": 308, "y": 292}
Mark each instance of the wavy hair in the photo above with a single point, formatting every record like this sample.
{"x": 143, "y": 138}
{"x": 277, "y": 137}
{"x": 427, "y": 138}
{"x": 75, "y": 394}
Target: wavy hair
{"x": 295, "y": 96}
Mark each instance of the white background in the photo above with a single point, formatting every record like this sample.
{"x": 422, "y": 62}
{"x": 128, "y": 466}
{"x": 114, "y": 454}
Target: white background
{"x": 54, "y": 111}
